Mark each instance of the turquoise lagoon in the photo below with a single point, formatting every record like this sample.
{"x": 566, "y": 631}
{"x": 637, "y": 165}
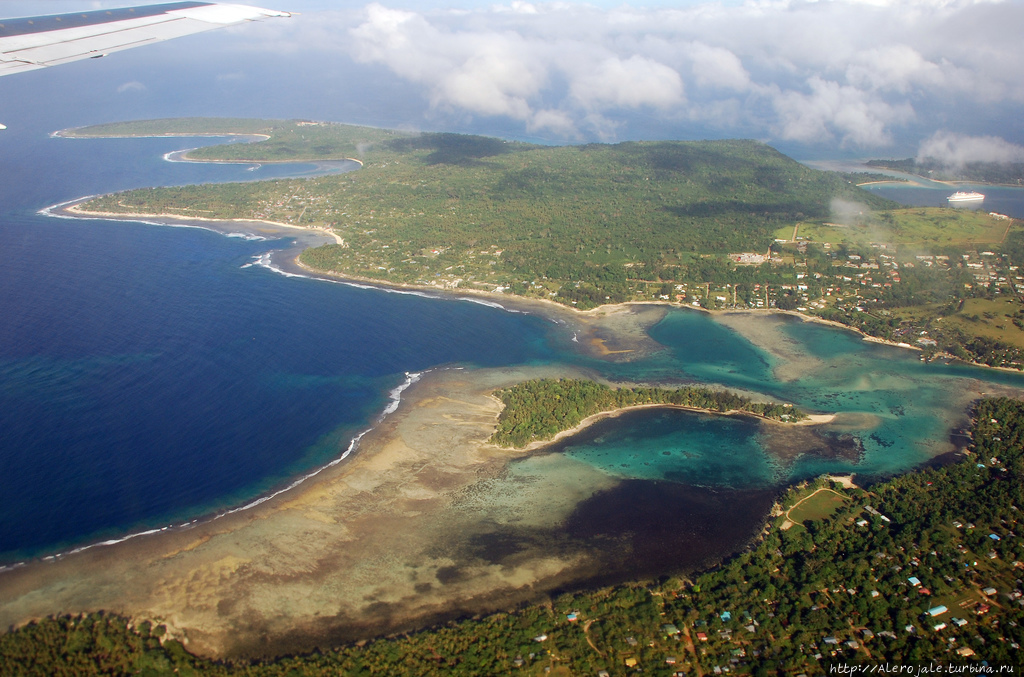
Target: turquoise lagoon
{"x": 894, "y": 412}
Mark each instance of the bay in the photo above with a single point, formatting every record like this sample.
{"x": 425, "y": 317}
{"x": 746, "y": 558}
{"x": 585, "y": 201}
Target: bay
{"x": 149, "y": 375}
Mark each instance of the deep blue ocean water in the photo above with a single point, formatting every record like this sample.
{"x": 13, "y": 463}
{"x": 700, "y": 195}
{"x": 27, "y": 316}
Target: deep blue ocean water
{"x": 999, "y": 199}
{"x": 149, "y": 376}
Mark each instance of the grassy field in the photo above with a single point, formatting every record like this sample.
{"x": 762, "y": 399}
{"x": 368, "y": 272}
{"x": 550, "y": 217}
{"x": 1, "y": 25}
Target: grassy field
{"x": 990, "y": 318}
{"x": 921, "y": 227}
{"x": 818, "y": 506}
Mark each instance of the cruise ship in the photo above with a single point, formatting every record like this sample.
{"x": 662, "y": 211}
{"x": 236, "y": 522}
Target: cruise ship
{"x": 960, "y": 196}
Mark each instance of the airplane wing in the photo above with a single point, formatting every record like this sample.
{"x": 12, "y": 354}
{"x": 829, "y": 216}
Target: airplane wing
{"x": 36, "y": 42}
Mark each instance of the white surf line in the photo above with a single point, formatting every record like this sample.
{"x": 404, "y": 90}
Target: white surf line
{"x": 265, "y": 261}
{"x": 52, "y": 212}
{"x": 395, "y": 398}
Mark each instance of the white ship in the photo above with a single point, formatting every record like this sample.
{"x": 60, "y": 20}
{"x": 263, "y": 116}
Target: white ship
{"x": 960, "y": 196}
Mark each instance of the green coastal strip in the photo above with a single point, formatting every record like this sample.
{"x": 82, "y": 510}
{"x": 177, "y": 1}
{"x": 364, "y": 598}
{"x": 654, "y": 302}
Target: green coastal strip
{"x": 540, "y": 409}
{"x": 858, "y": 577}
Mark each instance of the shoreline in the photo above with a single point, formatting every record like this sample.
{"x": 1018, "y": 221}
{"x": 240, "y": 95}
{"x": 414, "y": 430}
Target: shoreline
{"x": 388, "y": 541}
{"x": 182, "y": 156}
{"x": 542, "y": 307}
{"x": 616, "y": 324}
{"x": 74, "y": 210}
{"x": 346, "y": 556}
{"x": 294, "y": 482}
{"x": 369, "y": 547}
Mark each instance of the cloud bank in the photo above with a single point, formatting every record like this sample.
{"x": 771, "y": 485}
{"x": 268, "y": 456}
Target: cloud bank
{"x": 957, "y": 150}
{"x": 840, "y": 72}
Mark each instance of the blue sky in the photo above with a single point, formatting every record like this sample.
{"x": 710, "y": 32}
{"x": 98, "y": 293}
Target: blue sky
{"x": 865, "y": 78}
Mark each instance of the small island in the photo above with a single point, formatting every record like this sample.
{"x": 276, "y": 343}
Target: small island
{"x": 1003, "y": 173}
{"x": 536, "y": 411}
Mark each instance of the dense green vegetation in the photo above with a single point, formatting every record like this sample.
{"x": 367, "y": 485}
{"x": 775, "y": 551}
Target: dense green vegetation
{"x": 982, "y": 172}
{"x": 834, "y": 589}
{"x": 541, "y": 408}
{"x": 583, "y": 225}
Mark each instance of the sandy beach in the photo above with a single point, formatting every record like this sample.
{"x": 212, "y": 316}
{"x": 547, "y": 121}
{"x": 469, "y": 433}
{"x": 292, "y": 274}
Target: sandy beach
{"x": 613, "y": 332}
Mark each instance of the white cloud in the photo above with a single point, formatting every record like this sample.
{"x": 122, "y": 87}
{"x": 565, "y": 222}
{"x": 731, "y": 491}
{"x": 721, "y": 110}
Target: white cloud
{"x": 718, "y": 67}
{"x": 956, "y": 150}
{"x": 557, "y": 121}
{"x": 628, "y": 83}
{"x": 850, "y": 71}
{"x": 893, "y": 67}
{"x": 480, "y": 71}
{"x": 831, "y": 109}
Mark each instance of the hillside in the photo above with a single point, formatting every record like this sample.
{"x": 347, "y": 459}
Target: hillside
{"x": 583, "y": 225}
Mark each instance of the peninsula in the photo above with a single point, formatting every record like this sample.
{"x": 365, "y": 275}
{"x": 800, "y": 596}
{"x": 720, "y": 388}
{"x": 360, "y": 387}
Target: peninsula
{"x": 712, "y": 224}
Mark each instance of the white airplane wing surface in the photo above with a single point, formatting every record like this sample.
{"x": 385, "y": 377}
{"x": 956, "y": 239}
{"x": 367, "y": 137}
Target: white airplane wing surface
{"x": 36, "y": 42}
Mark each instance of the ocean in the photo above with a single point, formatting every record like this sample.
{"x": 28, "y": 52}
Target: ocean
{"x": 152, "y": 375}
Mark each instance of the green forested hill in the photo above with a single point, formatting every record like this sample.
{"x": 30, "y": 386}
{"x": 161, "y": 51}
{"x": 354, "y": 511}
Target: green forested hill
{"x": 573, "y": 221}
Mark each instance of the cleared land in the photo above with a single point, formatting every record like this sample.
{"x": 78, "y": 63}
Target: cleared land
{"x": 996, "y": 319}
{"x": 819, "y": 505}
{"x": 920, "y": 227}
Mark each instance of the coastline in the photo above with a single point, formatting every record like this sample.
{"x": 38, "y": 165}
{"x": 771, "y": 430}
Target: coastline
{"x": 69, "y": 133}
{"x": 615, "y": 341}
{"x": 385, "y": 542}
{"x": 73, "y": 209}
{"x": 636, "y": 346}
{"x": 411, "y": 531}
{"x": 182, "y": 156}
{"x": 365, "y": 548}
{"x": 614, "y": 332}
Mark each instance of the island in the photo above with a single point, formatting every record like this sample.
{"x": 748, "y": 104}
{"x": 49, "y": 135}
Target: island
{"x": 1004, "y": 173}
{"x": 455, "y": 562}
{"x": 536, "y": 411}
